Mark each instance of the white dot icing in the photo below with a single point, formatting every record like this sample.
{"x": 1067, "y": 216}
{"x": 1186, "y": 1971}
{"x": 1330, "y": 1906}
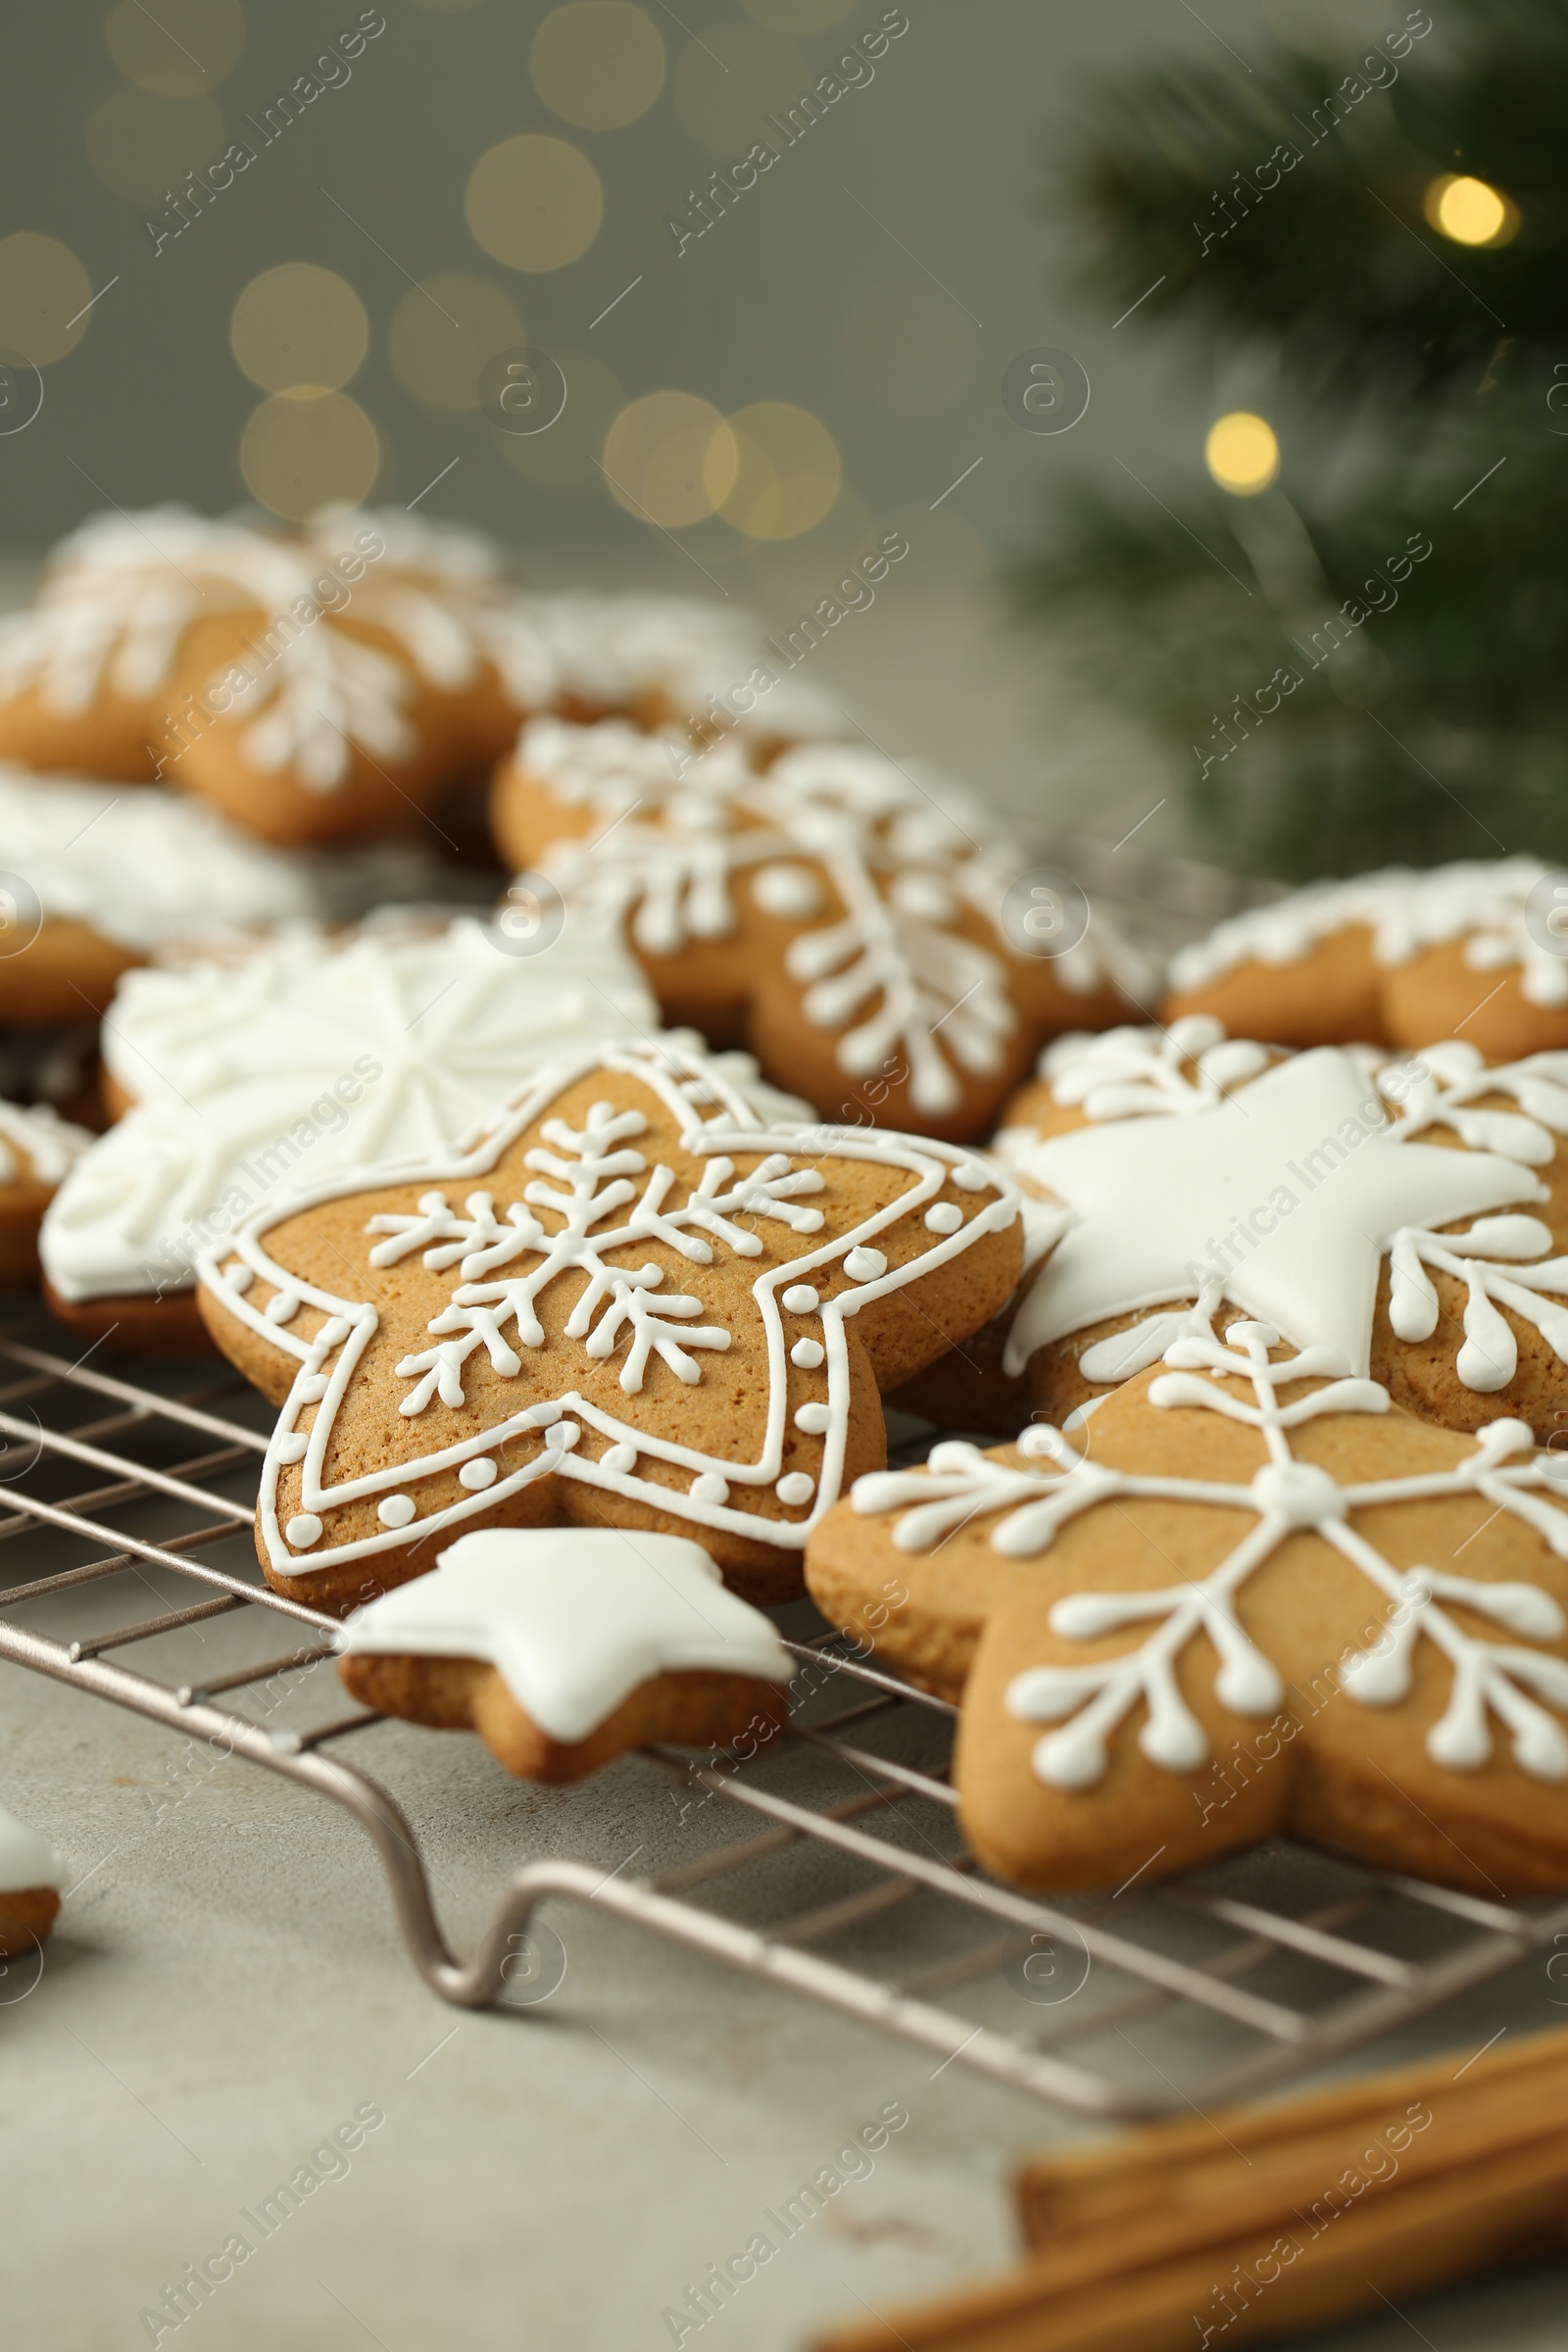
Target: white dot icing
{"x": 807, "y": 1354}
{"x": 786, "y": 889}
{"x": 397, "y": 1510}
{"x": 620, "y": 1458}
{"x": 710, "y": 1488}
{"x": 813, "y": 1418}
{"x": 864, "y": 1264}
{"x": 971, "y": 1176}
{"x": 304, "y": 1530}
{"x": 573, "y": 1619}
{"x": 944, "y": 1216}
{"x": 796, "y": 1487}
{"x": 26, "y": 1860}
{"x": 801, "y": 1298}
{"x": 477, "y": 1474}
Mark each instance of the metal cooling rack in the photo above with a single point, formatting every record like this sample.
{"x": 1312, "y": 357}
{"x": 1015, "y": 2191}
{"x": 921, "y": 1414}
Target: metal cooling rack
{"x": 832, "y": 1864}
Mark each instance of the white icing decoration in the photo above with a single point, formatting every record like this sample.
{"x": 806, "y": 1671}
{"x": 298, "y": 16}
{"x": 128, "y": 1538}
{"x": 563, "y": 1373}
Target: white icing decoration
{"x": 478, "y": 1474}
{"x": 309, "y": 1057}
{"x": 796, "y": 1487}
{"x": 808, "y": 1353}
{"x": 304, "y": 1530}
{"x": 142, "y": 867}
{"x": 944, "y": 1216}
{"x": 1123, "y": 1072}
{"x": 292, "y": 1448}
{"x": 864, "y": 1265}
{"x": 719, "y": 1134}
{"x": 813, "y": 1418}
{"x": 1482, "y": 903}
{"x": 786, "y": 889}
{"x": 971, "y": 1176}
{"x": 396, "y": 1510}
{"x": 26, "y": 1860}
{"x": 709, "y": 1486}
{"x": 893, "y": 975}
{"x": 1157, "y": 1205}
{"x": 283, "y": 1307}
{"x": 801, "y": 1298}
{"x": 573, "y": 1619}
{"x": 1285, "y": 1496}
{"x": 36, "y": 1142}
{"x": 237, "y": 1277}
{"x": 624, "y": 1457}
{"x": 594, "y": 1165}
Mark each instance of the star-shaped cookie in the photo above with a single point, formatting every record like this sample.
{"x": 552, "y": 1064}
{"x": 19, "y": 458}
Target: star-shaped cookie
{"x": 629, "y": 1304}
{"x": 1252, "y": 1597}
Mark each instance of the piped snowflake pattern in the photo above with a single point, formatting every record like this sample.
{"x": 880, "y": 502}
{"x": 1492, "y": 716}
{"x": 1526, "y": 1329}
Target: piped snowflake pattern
{"x": 593, "y": 1171}
{"x": 1506, "y": 1679}
{"x": 893, "y": 973}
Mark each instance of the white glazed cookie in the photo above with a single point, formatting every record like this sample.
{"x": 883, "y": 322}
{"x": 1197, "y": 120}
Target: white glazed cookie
{"x": 630, "y": 1304}
{"x": 564, "y": 1646}
{"x": 37, "y": 1150}
{"x": 31, "y": 1877}
{"x": 1395, "y": 957}
{"x": 673, "y": 661}
{"x": 98, "y": 878}
{"x": 1254, "y": 1598}
{"x": 307, "y": 1056}
{"x": 838, "y": 913}
{"x": 1349, "y": 1202}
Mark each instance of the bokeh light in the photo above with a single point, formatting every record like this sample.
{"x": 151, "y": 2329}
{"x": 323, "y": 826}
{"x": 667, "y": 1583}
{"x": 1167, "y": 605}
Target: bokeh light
{"x": 599, "y": 64}
{"x": 568, "y": 455}
{"x": 42, "y": 289}
{"x": 670, "y": 458}
{"x": 797, "y": 16}
{"x": 443, "y": 332}
{"x": 182, "y": 50}
{"x": 722, "y": 88}
{"x": 298, "y": 324}
{"x": 535, "y": 202}
{"x": 1242, "y": 453}
{"x": 143, "y": 146}
{"x": 1470, "y": 211}
{"x": 300, "y": 452}
{"x": 907, "y": 350}
{"x": 787, "y": 475}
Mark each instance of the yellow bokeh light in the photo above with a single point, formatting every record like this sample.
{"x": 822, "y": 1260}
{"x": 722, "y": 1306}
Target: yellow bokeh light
{"x": 1469, "y": 211}
{"x": 298, "y": 454}
{"x": 788, "y": 472}
{"x": 298, "y": 324}
{"x": 443, "y": 332}
{"x": 598, "y": 62}
{"x": 182, "y": 50}
{"x": 43, "y": 289}
{"x": 535, "y": 202}
{"x": 1242, "y": 453}
{"x": 568, "y": 455}
{"x": 670, "y": 458}
{"x": 143, "y": 147}
{"x": 797, "y": 16}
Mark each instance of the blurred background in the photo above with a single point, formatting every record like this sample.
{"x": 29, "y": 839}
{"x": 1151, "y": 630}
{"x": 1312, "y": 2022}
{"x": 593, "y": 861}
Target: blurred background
{"x": 264, "y": 256}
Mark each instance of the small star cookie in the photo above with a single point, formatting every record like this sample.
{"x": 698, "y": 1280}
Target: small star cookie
{"x": 563, "y": 1648}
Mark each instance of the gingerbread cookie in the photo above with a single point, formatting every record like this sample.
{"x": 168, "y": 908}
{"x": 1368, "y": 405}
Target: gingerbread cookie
{"x": 1256, "y": 1600}
{"x": 37, "y": 1148}
{"x": 98, "y": 879}
{"x": 629, "y": 1304}
{"x": 840, "y": 919}
{"x": 30, "y": 1879}
{"x": 307, "y": 1054}
{"x": 1331, "y": 1199}
{"x": 563, "y": 1648}
{"x": 87, "y": 671}
{"x": 671, "y": 662}
{"x": 1395, "y": 959}
{"x": 351, "y": 679}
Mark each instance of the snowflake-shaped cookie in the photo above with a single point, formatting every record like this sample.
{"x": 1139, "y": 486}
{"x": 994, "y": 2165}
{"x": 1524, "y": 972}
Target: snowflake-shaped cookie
{"x": 631, "y": 1303}
{"x": 1254, "y": 1598}
{"x": 1321, "y": 1193}
{"x": 838, "y": 911}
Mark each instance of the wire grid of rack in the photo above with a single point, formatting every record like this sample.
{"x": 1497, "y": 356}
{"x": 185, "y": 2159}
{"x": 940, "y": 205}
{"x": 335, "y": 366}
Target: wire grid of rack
{"x": 831, "y": 1864}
